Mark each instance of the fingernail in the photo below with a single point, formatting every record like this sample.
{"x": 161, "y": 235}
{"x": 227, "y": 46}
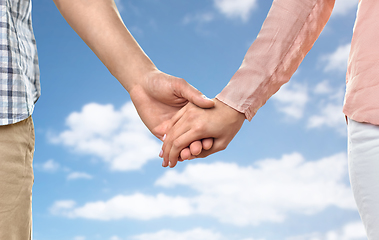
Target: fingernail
{"x": 161, "y": 154}
{"x": 205, "y": 97}
{"x": 164, "y": 137}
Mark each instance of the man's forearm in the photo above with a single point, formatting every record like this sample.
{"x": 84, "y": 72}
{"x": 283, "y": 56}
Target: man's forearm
{"x": 99, "y": 24}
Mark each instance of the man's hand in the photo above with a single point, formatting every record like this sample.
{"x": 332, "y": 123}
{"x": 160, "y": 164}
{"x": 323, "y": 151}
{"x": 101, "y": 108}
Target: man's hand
{"x": 193, "y": 123}
{"x": 159, "y": 96}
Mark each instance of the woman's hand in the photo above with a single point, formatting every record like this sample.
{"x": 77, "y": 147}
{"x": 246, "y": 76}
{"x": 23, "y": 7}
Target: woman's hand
{"x": 192, "y": 124}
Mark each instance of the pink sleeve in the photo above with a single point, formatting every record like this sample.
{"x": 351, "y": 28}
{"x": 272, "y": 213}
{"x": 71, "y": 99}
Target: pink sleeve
{"x": 287, "y": 35}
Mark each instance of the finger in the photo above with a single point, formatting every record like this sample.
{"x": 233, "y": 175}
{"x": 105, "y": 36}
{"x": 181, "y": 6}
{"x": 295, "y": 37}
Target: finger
{"x": 175, "y": 132}
{"x": 174, "y": 154}
{"x": 180, "y": 143}
{"x": 207, "y": 143}
{"x": 218, "y": 145}
{"x": 173, "y": 120}
{"x": 185, "y": 154}
{"x": 187, "y": 91}
{"x": 196, "y": 147}
{"x": 206, "y": 151}
{"x": 172, "y": 129}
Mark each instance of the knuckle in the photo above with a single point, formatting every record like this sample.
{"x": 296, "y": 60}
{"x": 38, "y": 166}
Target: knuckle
{"x": 199, "y": 128}
{"x": 176, "y": 143}
{"x": 192, "y": 115}
{"x": 179, "y": 83}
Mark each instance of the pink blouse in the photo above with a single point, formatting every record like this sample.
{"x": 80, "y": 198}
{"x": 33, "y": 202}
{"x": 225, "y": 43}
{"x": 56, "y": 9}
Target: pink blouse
{"x": 287, "y": 35}
{"x": 362, "y": 78}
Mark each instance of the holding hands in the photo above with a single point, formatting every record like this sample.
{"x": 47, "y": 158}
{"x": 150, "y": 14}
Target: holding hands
{"x": 158, "y": 97}
{"x": 192, "y": 124}
{"x": 195, "y": 126}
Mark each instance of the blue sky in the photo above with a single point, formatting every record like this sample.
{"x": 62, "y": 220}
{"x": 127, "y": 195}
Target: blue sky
{"x": 97, "y": 171}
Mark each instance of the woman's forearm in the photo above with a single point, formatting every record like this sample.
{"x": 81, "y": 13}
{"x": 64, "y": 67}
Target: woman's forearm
{"x": 288, "y": 33}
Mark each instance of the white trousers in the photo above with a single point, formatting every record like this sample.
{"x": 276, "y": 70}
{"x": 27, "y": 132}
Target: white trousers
{"x": 363, "y": 151}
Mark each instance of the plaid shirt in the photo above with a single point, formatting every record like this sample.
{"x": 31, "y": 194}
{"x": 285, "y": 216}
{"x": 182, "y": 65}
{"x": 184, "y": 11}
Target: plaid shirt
{"x": 19, "y": 81}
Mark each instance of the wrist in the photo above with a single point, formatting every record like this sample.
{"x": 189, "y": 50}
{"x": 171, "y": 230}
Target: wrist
{"x": 136, "y": 73}
{"x": 230, "y": 111}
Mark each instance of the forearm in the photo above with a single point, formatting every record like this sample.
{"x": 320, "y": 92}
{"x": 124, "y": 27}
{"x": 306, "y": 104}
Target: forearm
{"x": 99, "y": 24}
{"x": 287, "y": 35}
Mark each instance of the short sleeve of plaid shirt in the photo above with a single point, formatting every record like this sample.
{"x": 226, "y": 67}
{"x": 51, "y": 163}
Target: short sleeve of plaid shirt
{"x": 19, "y": 80}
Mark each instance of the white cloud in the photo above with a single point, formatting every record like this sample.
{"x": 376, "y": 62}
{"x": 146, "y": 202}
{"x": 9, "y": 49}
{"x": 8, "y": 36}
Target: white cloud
{"x": 351, "y": 231}
{"x": 235, "y": 8}
{"x": 337, "y": 61}
{"x": 252, "y": 239}
{"x": 50, "y": 166}
{"x": 328, "y": 113}
{"x": 330, "y": 109}
{"x": 118, "y": 137}
{"x": 61, "y": 206}
{"x": 137, "y": 206}
{"x": 343, "y": 7}
{"x": 291, "y": 99}
{"x": 78, "y": 175}
{"x": 79, "y": 238}
{"x": 323, "y": 87}
{"x": 242, "y": 8}
{"x": 267, "y": 191}
{"x": 331, "y": 116}
{"x": 195, "y": 234}
{"x": 115, "y": 238}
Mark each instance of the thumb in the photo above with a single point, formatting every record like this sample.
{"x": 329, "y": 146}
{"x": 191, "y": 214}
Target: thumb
{"x": 193, "y": 95}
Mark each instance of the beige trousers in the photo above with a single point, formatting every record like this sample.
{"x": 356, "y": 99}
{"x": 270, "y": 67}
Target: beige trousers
{"x": 16, "y": 180}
